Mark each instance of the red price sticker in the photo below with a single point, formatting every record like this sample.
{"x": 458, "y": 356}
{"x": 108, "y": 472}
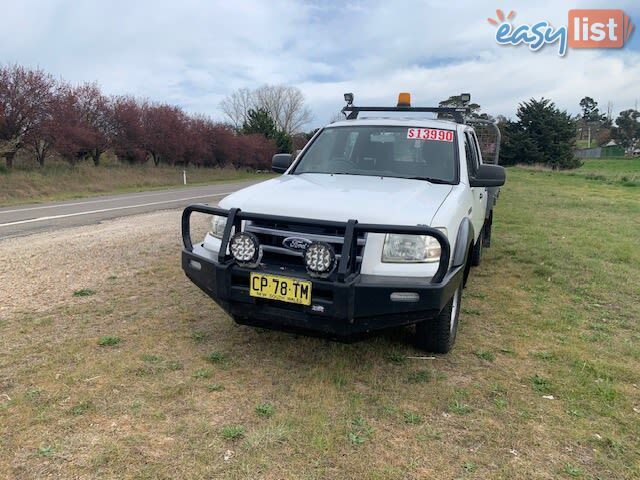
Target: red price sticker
{"x": 430, "y": 134}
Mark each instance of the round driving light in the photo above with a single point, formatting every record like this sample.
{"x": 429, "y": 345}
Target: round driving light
{"x": 319, "y": 258}
{"x": 245, "y": 248}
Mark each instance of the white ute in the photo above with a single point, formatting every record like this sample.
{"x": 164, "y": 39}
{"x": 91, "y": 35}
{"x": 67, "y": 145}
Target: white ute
{"x": 375, "y": 224}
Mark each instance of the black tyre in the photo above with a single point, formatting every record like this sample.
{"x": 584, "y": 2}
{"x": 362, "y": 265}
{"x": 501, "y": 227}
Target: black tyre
{"x": 439, "y": 334}
{"x": 487, "y": 231}
{"x": 476, "y": 253}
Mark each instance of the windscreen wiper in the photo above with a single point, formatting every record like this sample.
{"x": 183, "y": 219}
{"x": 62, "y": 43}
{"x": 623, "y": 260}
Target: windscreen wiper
{"x": 439, "y": 181}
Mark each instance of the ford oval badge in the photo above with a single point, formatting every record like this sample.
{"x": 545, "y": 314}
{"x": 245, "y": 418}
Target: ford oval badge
{"x": 296, "y": 243}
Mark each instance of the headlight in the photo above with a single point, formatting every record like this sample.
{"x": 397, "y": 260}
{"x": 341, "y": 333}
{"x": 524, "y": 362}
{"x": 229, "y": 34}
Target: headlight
{"x": 217, "y": 226}
{"x": 411, "y": 248}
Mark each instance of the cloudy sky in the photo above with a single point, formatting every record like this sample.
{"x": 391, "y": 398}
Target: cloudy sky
{"x": 193, "y": 53}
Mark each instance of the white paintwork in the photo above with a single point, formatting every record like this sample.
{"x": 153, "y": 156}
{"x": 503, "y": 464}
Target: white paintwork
{"x": 343, "y": 197}
{"x": 369, "y": 199}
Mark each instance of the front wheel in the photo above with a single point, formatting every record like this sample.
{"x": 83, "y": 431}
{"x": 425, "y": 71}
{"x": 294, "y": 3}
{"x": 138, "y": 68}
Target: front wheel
{"x": 439, "y": 334}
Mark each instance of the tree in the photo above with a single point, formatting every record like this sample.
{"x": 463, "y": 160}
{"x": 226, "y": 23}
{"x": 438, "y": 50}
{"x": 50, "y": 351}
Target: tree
{"x": 256, "y": 151}
{"x": 627, "y": 129}
{"x": 284, "y": 104}
{"x": 79, "y": 124}
{"x": 128, "y": 133}
{"x": 260, "y": 121}
{"x": 96, "y": 116}
{"x": 224, "y": 146}
{"x": 543, "y": 134}
{"x": 68, "y": 131}
{"x": 237, "y": 105}
{"x": 164, "y": 130}
{"x": 57, "y": 127}
{"x": 25, "y": 97}
{"x": 455, "y": 101}
{"x": 590, "y": 111}
{"x": 199, "y": 141}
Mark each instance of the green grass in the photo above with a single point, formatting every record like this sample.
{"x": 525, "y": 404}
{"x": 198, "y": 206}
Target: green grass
{"x": 215, "y": 357}
{"x": 412, "y": 418}
{"x": 265, "y": 410}
{"x": 81, "y": 408}
{"x": 419, "y": 376}
{"x": 84, "y": 292}
{"x": 62, "y": 182}
{"x": 553, "y": 310}
{"x": 108, "y": 341}
{"x": 612, "y": 171}
{"x": 485, "y": 355}
{"x": 615, "y": 170}
{"x": 232, "y": 432}
{"x": 203, "y": 373}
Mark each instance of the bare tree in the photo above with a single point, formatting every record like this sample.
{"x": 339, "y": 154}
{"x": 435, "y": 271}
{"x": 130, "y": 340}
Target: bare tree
{"x": 284, "y": 104}
{"x": 236, "y": 106}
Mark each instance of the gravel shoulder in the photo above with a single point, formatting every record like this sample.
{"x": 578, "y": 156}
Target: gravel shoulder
{"x": 45, "y": 269}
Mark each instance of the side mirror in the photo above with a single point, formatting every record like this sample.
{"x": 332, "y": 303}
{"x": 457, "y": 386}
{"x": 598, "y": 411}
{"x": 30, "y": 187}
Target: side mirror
{"x": 281, "y": 161}
{"x": 489, "y": 176}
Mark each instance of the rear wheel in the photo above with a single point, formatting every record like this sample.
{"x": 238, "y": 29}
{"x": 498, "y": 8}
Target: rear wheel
{"x": 487, "y": 230}
{"x": 439, "y": 334}
{"x": 476, "y": 253}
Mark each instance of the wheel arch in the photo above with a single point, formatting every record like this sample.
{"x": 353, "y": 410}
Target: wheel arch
{"x": 464, "y": 241}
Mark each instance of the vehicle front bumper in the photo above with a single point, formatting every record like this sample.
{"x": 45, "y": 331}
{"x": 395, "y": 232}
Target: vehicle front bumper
{"x": 359, "y": 305}
{"x": 349, "y": 303}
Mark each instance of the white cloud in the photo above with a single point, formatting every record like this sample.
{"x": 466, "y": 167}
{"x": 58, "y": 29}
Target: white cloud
{"x": 193, "y": 53}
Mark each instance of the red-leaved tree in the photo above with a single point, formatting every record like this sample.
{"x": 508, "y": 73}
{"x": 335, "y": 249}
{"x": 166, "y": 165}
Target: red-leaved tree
{"x": 128, "y": 137}
{"x": 25, "y": 101}
{"x": 164, "y": 128}
{"x": 95, "y": 111}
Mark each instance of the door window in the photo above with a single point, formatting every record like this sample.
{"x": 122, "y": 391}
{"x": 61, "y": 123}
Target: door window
{"x": 471, "y": 153}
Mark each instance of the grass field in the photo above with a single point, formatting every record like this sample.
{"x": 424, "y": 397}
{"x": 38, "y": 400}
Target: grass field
{"x": 140, "y": 375}
{"x": 62, "y": 182}
{"x": 625, "y": 171}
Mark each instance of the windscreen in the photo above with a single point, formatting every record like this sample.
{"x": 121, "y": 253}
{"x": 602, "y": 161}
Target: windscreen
{"x": 402, "y": 152}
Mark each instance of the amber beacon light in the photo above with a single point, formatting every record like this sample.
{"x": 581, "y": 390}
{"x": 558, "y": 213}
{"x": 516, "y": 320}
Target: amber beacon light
{"x": 404, "y": 99}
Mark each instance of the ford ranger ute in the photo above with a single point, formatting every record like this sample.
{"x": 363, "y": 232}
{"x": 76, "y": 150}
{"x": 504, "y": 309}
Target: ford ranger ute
{"x": 375, "y": 224}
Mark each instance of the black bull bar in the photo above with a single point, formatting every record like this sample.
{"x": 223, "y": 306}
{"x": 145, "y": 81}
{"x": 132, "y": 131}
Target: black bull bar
{"x": 347, "y": 263}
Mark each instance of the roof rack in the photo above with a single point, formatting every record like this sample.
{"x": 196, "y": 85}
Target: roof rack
{"x": 351, "y": 112}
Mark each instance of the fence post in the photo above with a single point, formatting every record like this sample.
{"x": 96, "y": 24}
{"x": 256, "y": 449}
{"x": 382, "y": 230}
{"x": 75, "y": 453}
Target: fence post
{"x": 184, "y": 177}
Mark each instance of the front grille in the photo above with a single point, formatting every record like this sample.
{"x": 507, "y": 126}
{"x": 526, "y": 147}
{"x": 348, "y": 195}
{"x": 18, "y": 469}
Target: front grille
{"x": 272, "y": 234}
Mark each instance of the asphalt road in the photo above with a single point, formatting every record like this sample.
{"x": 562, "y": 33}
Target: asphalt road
{"x": 27, "y": 219}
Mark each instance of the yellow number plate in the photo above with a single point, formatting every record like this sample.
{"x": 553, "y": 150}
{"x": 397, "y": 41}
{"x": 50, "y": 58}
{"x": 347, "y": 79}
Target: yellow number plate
{"x": 284, "y": 289}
